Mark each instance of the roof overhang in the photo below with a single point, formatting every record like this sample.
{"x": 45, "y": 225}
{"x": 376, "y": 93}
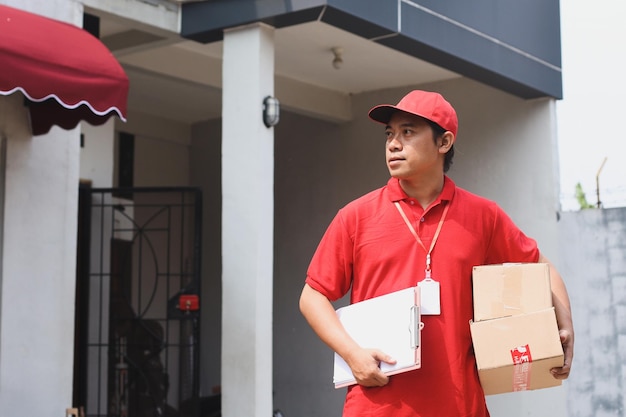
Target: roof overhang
{"x": 492, "y": 45}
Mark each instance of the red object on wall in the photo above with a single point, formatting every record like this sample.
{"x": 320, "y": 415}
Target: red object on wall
{"x": 189, "y": 302}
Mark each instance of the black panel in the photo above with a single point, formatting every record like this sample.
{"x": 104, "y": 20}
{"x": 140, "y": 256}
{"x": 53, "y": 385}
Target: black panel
{"x": 530, "y": 25}
{"x": 473, "y": 54}
{"x": 206, "y": 21}
{"x": 126, "y": 164}
{"x": 91, "y": 24}
{"x": 366, "y": 18}
{"x": 353, "y": 24}
{"x": 467, "y": 69}
{"x": 295, "y": 18}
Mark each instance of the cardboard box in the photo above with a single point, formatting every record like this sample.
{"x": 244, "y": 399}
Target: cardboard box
{"x": 505, "y": 290}
{"x": 516, "y": 353}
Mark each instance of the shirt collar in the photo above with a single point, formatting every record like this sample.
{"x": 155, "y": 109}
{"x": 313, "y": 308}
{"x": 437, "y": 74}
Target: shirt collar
{"x": 396, "y": 193}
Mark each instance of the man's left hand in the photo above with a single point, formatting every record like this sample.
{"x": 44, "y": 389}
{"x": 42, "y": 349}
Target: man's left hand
{"x": 567, "y": 340}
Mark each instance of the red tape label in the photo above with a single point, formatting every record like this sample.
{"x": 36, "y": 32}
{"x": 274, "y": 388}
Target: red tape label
{"x": 521, "y": 354}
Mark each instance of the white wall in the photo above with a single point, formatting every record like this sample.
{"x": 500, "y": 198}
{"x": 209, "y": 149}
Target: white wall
{"x": 36, "y": 353}
{"x": 506, "y": 151}
{"x": 97, "y": 154}
{"x": 65, "y": 10}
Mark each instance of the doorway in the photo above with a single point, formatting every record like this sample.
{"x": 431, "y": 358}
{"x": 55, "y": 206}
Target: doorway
{"x": 137, "y": 302}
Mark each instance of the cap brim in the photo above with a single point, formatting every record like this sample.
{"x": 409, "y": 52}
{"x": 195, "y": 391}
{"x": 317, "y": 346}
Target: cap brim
{"x": 382, "y": 114}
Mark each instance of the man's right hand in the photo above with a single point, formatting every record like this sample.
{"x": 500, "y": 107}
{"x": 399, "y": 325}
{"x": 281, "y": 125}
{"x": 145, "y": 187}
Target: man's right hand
{"x": 365, "y": 366}
{"x": 364, "y": 363}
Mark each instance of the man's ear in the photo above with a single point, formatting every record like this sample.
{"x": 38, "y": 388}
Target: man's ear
{"x": 446, "y": 141}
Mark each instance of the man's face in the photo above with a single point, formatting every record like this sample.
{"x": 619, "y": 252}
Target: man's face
{"x": 411, "y": 151}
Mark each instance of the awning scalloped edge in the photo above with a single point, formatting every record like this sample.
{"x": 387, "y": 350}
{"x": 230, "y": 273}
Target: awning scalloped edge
{"x": 65, "y": 105}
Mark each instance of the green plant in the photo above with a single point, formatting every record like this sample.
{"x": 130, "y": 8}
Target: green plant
{"x": 582, "y": 200}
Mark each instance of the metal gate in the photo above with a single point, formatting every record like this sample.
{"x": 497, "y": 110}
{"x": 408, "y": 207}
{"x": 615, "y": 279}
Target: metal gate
{"x": 138, "y": 289}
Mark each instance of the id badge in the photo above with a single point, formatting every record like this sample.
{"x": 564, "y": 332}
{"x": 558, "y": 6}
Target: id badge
{"x": 430, "y": 297}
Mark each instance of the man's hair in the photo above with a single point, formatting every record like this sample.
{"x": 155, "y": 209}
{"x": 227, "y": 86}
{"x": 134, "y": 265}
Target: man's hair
{"x": 437, "y": 132}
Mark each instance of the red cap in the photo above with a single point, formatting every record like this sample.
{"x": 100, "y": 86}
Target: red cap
{"x": 426, "y": 104}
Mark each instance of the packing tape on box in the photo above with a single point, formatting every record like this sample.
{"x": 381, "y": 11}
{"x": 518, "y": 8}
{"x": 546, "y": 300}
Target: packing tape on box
{"x": 521, "y": 377}
{"x": 512, "y": 290}
{"x": 522, "y": 363}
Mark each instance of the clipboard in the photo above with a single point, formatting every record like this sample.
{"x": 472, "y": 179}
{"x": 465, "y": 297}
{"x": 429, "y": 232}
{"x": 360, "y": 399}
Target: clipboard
{"x": 390, "y": 323}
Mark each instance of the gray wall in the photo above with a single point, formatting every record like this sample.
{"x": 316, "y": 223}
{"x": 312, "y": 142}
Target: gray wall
{"x": 310, "y": 177}
{"x": 593, "y": 255}
{"x": 205, "y": 172}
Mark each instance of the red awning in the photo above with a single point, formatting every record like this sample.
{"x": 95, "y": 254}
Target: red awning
{"x": 65, "y": 73}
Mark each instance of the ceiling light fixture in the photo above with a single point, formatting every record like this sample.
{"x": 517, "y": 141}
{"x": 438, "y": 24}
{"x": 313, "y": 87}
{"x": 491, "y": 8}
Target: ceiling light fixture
{"x": 338, "y": 59}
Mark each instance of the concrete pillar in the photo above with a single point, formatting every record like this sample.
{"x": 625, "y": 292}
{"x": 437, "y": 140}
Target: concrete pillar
{"x": 38, "y": 273}
{"x": 247, "y": 222}
{"x": 38, "y": 277}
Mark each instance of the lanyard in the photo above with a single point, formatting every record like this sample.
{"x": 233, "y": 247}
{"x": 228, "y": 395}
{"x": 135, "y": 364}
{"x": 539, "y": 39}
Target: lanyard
{"x": 432, "y": 244}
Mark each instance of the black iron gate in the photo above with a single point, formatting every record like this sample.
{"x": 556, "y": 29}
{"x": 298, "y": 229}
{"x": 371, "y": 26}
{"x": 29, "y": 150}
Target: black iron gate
{"x": 137, "y": 307}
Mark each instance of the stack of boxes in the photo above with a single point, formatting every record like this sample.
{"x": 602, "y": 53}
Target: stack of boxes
{"x": 514, "y": 331}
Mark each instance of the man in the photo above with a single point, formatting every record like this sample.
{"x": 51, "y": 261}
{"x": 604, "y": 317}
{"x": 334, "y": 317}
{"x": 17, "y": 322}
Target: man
{"x": 370, "y": 250}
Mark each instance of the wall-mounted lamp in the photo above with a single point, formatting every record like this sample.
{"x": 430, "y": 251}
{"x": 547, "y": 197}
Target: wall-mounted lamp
{"x": 338, "y": 56}
{"x": 271, "y": 111}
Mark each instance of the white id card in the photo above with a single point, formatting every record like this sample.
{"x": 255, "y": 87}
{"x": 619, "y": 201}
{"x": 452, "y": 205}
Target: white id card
{"x": 430, "y": 297}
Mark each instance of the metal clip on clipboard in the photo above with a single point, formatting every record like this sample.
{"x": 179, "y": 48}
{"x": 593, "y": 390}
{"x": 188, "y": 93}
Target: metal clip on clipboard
{"x": 415, "y": 326}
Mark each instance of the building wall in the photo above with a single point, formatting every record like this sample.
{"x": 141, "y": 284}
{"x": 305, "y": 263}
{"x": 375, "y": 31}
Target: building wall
{"x": 96, "y": 154}
{"x": 592, "y": 245}
{"x": 161, "y": 157}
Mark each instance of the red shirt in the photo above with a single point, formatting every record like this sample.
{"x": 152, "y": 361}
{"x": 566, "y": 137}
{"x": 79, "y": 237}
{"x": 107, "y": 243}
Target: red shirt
{"x": 369, "y": 250}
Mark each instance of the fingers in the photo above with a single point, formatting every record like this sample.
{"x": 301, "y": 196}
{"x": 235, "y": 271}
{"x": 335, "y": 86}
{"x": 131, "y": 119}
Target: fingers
{"x": 568, "y": 354}
{"x": 368, "y": 374}
{"x": 383, "y": 357}
{"x": 561, "y": 373}
{"x": 377, "y": 379}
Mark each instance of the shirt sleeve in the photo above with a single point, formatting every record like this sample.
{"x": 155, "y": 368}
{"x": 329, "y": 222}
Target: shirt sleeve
{"x": 508, "y": 243}
{"x": 330, "y": 270}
